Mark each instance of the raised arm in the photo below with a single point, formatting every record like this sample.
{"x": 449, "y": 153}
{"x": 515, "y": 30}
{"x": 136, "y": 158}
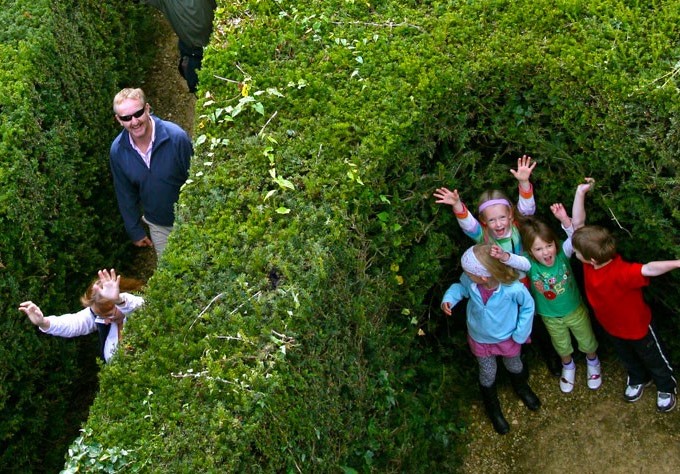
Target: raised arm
{"x": 467, "y": 222}
{"x": 526, "y": 204}
{"x": 34, "y": 313}
{"x": 578, "y": 211}
{"x": 451, "y": 198}
{"x": 108, "y": 285}
{"x": 523, "y": 172}
{"x": 653, "y": 269}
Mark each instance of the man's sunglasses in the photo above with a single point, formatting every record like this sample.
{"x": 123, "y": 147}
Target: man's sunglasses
{"x": 127, "y": 118}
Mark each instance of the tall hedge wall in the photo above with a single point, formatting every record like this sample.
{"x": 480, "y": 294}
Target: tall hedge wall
{"x": 293, "y": 325}
{"x": 61, "y": 64}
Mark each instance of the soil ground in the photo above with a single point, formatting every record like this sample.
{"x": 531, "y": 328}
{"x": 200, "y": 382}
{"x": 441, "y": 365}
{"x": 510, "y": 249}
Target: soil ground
{"x": 584, "y": 431}
{"x": 170, "y": 99}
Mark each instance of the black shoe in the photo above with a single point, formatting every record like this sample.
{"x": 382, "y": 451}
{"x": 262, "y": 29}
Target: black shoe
{"x": 522, "y": 389}
{"x": 554, "y": 366}
{"x": 493, "y": 409}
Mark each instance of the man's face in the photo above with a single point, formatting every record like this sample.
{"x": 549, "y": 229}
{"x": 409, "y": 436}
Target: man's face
{"x": 133, "y": 115}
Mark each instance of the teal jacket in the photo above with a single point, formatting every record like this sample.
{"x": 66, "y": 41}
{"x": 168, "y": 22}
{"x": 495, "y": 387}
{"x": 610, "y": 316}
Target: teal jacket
{"x": 508, "y": 313}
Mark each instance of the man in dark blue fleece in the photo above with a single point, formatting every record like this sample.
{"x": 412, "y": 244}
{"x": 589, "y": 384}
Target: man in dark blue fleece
{"x": 150, "y": 162}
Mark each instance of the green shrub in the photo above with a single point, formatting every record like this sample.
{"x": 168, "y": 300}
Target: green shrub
{"x": 62, "y": 63}
{"x": 293, "y": 324}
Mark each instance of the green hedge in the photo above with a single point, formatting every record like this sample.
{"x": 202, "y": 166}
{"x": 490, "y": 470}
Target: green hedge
{"x": 62, "y": 63}
{"x": 293, "y": 324}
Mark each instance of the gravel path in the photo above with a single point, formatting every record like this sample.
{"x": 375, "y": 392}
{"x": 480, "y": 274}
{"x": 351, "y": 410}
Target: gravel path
{"x": 584, "y": 431}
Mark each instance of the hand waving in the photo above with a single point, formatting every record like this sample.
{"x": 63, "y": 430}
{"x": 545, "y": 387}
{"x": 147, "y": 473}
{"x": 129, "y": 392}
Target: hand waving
{"x": 34, "y": 313}
{"x": 108, "y": 285}
{"x": 524, "y": 168}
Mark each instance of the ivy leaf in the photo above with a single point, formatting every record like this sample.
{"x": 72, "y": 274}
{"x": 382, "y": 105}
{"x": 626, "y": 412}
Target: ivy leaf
{"x": 282, "y": 210}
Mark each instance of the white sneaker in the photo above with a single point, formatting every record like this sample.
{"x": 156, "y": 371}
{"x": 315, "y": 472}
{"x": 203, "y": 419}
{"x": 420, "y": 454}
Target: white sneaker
{"x": 594, "y": 376}
{"x": 634, "y": 392}
{"x": 665, "y": 401}
{"x": 567, "y": 379}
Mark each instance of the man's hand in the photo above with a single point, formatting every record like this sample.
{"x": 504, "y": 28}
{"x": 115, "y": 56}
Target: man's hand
{"x": 145, "y": 242}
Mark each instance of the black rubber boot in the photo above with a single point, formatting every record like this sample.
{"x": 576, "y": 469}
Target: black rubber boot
{"x": 522, "y": 389}
{"x": 493, "y": 409}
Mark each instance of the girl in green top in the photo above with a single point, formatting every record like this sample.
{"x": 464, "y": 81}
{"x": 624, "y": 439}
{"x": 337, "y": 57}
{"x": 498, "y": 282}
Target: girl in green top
{"x": 557, "y": 297}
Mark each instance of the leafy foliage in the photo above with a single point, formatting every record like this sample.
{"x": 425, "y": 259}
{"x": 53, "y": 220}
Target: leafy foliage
{"x": 62, "y": 63}
{"x": 292, "y": 325}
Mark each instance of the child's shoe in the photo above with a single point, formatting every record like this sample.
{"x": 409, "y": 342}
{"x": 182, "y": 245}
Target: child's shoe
{"x": 633, "y": 393}
{"x": 665, "y": 401}
{"x": 594, "y": 376}
{"x": 567, "y": 379}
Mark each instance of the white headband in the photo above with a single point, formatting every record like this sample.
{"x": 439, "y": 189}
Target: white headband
{"x": 471, "y": 264}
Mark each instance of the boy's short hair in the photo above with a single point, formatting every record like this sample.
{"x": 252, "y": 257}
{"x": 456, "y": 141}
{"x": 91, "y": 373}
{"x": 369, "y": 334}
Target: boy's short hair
{"x": 594, "y": 243}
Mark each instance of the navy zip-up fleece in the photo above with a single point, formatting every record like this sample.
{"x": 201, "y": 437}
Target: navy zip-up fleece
{"x": 155, "y": 189}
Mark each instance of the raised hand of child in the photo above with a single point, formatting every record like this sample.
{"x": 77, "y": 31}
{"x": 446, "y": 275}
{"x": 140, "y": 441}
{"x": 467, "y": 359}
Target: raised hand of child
{"x": 446, "y": 196}
{"x": 108, "y": 285}
{"x": 585, "y": 187}
{"x": 524, "y": 168}
{"x": 34, "y": 314}
{"x": 560, "y": 213}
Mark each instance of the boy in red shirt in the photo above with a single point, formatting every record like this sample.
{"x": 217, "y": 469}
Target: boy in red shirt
{"x": 614, "y": 290}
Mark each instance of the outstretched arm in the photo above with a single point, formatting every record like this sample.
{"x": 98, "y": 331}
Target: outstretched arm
{"x": 467, "y": 222}
{"x": 524, "y": 168}
{"x": 35, "y": 314}
{"x": 108, "y": 285}
{"x": 512, "y": 260}
{"x": 560, "y": 214}
{"x": 578, "y": 211}
{"x": 653, "y": 269}
{"x": 446, "y": 196}
{"x": 526, "y": 205}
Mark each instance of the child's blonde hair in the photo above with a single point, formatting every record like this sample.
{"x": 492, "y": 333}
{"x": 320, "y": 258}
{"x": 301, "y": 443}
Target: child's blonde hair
{"x": 499, "y": 271}
{"x": 493, "y": 195}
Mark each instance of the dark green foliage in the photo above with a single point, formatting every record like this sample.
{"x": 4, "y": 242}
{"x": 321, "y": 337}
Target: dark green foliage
{"x": 62, "y": 63}
{"x": 282, "y": 328}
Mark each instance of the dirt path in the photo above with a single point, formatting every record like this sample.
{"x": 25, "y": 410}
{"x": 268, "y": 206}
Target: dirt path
{"x": 170, "y": 99}
{"x": 582, "y": 432}
{"x": 166, "y": 91}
